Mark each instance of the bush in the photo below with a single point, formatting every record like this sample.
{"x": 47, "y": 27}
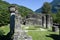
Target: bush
{"x": 2, "y": 32}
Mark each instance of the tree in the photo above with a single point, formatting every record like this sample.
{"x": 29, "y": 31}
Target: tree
{"x": 46, "y": 9}
{"x": 58, "y": 16}
{"x": 54, "y": 17}
{"x": 58, "y": 19}
{"x": 1, "y": 32}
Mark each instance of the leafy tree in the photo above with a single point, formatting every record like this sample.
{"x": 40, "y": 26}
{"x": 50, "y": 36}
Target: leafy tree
{"x": 58, "y": 17}
{"x": 2, "y": 32}
{"x": 54, "y": 17}
{"x": 46, "y": 8}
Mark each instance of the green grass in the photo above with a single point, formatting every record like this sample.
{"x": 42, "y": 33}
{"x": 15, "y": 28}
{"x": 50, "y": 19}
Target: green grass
{"x": 41, "y": 35}
{"x": 36, "y": 35}
{"x": 31, "y": 27}
{"x": 5, "y": 29}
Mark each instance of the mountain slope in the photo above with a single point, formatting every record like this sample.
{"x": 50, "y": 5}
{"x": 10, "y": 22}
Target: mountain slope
{"x": 39, "y": 10}
{"x": 5, "y": 15}
{"x": 54, "y": 3}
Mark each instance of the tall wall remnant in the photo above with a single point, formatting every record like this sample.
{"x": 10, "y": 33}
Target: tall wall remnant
{"x": 15, "y": 25}
{"x": 47, "y": 21}
{"x": 39, "y": 19}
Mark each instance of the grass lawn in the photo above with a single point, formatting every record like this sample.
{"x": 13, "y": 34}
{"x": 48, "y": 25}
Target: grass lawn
{"x": 41, "y": 35}
{"x": 5, "y": 29}
{"x": 36, "y": 35}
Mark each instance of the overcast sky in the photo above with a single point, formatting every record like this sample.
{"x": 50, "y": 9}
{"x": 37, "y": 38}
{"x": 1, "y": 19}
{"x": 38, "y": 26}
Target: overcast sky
{"x": 32, "y": 4}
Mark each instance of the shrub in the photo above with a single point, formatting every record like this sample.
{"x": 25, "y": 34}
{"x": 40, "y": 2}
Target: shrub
{"x": 2, "y": 32}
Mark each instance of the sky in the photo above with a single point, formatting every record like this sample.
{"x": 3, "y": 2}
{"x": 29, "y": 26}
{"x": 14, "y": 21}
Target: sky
{"x": 31, "y": 4}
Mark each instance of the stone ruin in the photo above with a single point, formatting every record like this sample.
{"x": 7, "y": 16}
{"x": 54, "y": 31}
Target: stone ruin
{"x": 38, "y": 19}
{"x": 33, "y": 19}
{"x": 30, "y": 19}
{"x": 19, "y": 33}
{"x": 15, "y": 25}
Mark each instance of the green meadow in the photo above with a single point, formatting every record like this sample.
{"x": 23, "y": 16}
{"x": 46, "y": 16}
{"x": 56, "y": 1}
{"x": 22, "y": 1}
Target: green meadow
{"x": 36, "y": 35}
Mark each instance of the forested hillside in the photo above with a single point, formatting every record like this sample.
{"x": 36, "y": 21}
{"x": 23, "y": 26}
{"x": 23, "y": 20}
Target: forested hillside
{"x": 5, "y": 15}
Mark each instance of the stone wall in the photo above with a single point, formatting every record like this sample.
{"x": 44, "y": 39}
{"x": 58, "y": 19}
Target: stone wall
{"x": 47, "y": 22}
{"x": 34, "y": 19}
{"x": 38, "y": 19}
